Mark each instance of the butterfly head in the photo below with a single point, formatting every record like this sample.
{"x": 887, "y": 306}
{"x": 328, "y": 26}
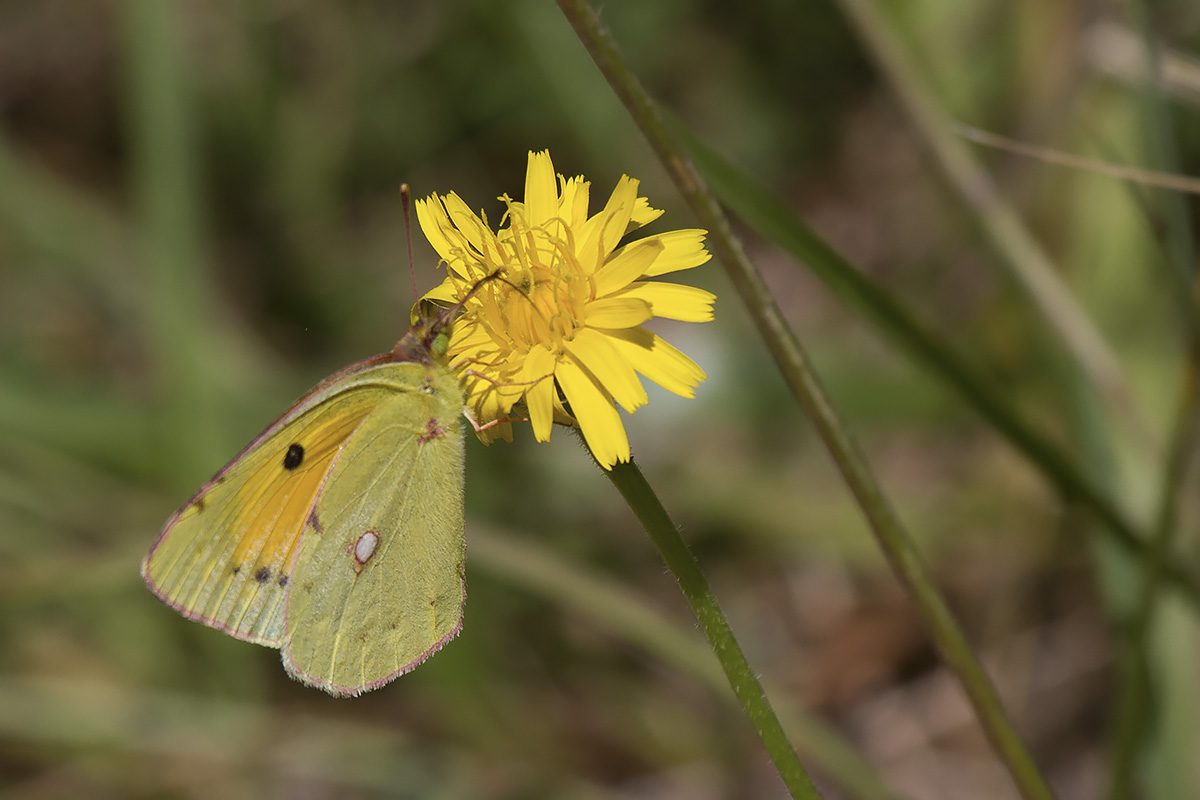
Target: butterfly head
{"x": 426, "y": 342}
{"x": 429, "y": 338}
{"x": 440, "y": 343}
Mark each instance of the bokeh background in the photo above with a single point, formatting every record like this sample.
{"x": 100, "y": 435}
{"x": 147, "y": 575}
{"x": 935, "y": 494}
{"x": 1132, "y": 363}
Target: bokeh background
{"x": 200, "y": 218}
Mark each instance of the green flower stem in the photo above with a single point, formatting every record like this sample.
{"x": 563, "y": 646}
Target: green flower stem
{"x": 683, "y": 565}
{"x": 796, "y": 369}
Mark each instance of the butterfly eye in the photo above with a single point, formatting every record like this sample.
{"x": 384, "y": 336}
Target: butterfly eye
{"x": 293, "y": 457}
{"x": 440, "y": 344}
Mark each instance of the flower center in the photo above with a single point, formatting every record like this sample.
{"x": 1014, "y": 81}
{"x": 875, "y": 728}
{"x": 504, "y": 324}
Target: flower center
{"x": 549, "y": 293}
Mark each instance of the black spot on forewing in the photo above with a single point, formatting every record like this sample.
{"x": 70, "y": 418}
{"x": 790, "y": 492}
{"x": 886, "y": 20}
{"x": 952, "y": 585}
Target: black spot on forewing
{"x": 283, "y": 581}
{"x": 263, "y": 575}
{"x": 293, "y": 457}
{"x": 237, "y": 568}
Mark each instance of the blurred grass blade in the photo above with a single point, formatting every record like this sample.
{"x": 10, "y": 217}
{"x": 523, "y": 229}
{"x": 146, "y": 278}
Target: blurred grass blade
{"x": 1025, "y": 259}
{"x": 179, "y": 316}
{"x": 1163, "y": 150}
{"x": 1137, "y": 177}
{"x": 774, "y": 220}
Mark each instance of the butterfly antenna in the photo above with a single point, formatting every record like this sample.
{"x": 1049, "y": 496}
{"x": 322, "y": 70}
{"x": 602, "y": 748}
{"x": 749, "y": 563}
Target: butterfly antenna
{"x": 448, "y": 313}
{"x": 406, "y": 204}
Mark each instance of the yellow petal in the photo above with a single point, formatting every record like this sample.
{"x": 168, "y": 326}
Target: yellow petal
{"x": 573, "y": 205}
{"x": 446, "y": 293}
{"x": 652, "y": 356}
{"x": 498, "y": 430}
{"x": 441, "y": 233}
{"x": 681, "y": 250}
{"x": 532, "y": 247}
{"x": 597, "y": 416}
{"x": 485, "y": 402}
{"x": 465, "y": 220}
{"x": 539, "y": 397}
{"x": 484, "y": 416}
{"x": 512, "y": 208}
{"x": 617, "y": 312}
{"x": 627, "y": 265}
{"x": 593, "y": 350}
{"x": 670, "y": 300}
{"x": 467, "y": 335}
{"x": 642, "y": 214}
{"x": 507, "y": 396}
{"x": 560, "y": 411}
{"x": 541, "y": 190}
{"x": 600, "y": 234}
{"x": 474, "y": 229}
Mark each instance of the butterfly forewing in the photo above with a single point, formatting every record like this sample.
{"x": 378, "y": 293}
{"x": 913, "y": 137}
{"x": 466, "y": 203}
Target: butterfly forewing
{"x": 378, "y": 581}
{"x": 225, "y": 558}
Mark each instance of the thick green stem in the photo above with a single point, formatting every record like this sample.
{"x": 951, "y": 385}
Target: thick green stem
{"x": 683, "y": 565}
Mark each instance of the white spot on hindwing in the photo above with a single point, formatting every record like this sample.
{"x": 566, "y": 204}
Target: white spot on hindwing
{"x": 363, "y": 550}
{"x": 366, "y": 547}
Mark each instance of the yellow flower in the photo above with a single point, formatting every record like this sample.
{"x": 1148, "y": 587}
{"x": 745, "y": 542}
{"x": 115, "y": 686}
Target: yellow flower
{"x": 562, "y": 332}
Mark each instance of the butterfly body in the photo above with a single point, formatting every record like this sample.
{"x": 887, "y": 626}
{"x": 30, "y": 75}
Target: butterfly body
{"x": 337, "y": 534}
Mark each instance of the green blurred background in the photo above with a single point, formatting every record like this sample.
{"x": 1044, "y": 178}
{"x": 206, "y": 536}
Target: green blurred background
{"x": 200, "y": 218}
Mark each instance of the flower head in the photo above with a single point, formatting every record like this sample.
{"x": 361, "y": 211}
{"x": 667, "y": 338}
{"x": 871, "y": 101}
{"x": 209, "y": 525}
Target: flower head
{"x": 561, "y": 331}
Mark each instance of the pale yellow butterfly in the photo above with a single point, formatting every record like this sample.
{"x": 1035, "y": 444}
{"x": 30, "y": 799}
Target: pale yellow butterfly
{"x": 337, "y": 534}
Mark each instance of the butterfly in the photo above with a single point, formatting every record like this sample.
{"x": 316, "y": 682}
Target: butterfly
{"x": 337, "y": 534}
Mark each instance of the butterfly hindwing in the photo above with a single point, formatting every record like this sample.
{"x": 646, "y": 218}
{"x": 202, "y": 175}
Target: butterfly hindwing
{"x": 225, "y": 558}
{"x": 378, "y": 580}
